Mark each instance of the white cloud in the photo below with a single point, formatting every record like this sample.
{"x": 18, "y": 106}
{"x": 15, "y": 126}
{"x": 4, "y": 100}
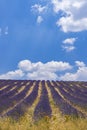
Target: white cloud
{"x": 17, "y": 74}
{"x": 39, "y": 19}
{"x": 69, "y": 77}
{"x": 80, "y": 64}
{"x": 67, "y": 6}
{"x": 68, "y": 24}
{"x": 69, "y": 41}
{"x": 46, "y": 75}
{"x": 51, "y": 66}
{"x": 38, "y": 70}
{"x": 53, "y": 70}
{"x": 68, "y": 48}
{"x": 68, "y": 44}
{"x": 74, "y": 14}
{"x": 79, "y": 75}
{"x": 39, "y": 8}
{"x": 57, "y": 66}
{"x": 25, "y": 65}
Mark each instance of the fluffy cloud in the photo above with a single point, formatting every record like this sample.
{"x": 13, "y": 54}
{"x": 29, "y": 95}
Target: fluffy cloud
{"x": 74, "y": 14}
{"x": 17, "y": 74}
{"x": 68, "y": 44}
{"x": 80, "y": 64}
{"x": 51, "y": 66}
{"x": 38, "y": 70}
{"x": 46, "y": 75}
{"x": 68, "y": 48}
{"x": 25, "y": 65}
{"x": 69, "y": 24}
{"x": 53, "y": 70}
{"x": 79, "y": 75}
{"x": 69, "y": 41}
{"x": 38, "y": 8}
{"x": 39, "y": 19}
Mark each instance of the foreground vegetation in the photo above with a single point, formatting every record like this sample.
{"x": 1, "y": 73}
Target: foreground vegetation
{"x": 55, "y": 123}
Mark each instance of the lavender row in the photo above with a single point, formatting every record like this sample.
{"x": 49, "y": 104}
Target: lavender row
{"x": 10, "y": 84}
{"x": 33, "y": 95}
{"x": 5, "y": 103}
{"x": 4, "y": 83}
{"x": 64, "y": 107}
{"x": 80, "y": 87}
{"x": 22, "y": 108}
{"x": 72, "y": 99}
{"x": 8, "y": 88}
{"x": 7, "y": 92}
{"x": 76, "y": 92}
{"x": 12, "y": 93}
{"x": 78, "y": 95}
{"x": 43, "y": 108}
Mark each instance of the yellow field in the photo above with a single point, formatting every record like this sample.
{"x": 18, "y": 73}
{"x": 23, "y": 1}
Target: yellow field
{"x": 55, "y": 123}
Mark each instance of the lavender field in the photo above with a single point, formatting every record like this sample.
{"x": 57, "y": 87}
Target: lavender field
{"x": 44, "y": 105}
{"x": 17, "y": 96}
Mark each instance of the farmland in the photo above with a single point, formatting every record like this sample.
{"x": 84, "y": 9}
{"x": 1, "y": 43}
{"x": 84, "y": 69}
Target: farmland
{"x": 31, "y": 104}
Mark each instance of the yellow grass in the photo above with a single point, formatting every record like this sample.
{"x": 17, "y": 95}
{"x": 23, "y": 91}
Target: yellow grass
{"x": 27, "y": 123}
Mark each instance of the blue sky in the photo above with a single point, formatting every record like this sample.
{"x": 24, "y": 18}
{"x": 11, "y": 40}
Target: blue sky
{"x": 43, "y": 39}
